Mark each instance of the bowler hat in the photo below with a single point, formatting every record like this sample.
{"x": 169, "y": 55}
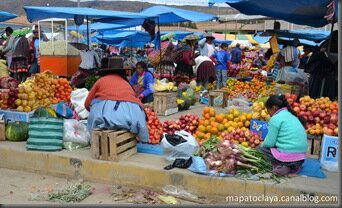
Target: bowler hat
{"x": 112, "y": 63}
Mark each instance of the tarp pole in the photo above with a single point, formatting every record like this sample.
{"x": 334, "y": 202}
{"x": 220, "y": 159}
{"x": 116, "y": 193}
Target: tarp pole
{"x": 160, "y": 49}
{"x": 88, "y": 39}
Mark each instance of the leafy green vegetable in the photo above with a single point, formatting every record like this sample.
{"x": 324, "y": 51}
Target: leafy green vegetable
{"x": 73, "y": 193}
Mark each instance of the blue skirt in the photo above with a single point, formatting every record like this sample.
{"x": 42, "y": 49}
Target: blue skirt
{"x": 117, "y": 115}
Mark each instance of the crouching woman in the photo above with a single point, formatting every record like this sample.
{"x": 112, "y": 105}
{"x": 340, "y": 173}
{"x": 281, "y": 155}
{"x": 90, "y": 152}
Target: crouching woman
{"x": 113, "y": 104}
{"x": 286, "y": 142}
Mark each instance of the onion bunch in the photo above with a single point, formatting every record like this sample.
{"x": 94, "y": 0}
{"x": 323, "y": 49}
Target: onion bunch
{"x": 229, "y": 157}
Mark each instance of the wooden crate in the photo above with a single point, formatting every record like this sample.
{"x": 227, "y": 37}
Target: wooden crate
{"x": 314, "y": 145}
{"x": 215, "y": 93}
{"x": 165, "y": 103}
{"x": 113, "y": 145}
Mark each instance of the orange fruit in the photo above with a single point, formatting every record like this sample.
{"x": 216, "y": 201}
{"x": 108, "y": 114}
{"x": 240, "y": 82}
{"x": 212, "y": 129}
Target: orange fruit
{"x": 220, "y": 127}
{"x": 206, "y": 110}
{"x": 214, "y": 131}
{"x": 201, "y": 122}
{"x": 208, "y": 128}
{"x": 226, "y": 125}
{"x": 201, "y": 128}
{"x": 240, "y": 124}
{"x": 206, "y": 123}
{"x": 212, "y": 112}
{"x": 249, "y": 116}
{"x": 220, "y": 118}
{"x": 207, "y": 116}
{"x": 212, "y": 119}
{"x": 207, "y": 136}
{"x": 247, "y": 123}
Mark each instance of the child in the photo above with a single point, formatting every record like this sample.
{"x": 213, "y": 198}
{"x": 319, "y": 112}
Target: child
{"x": 286, "y": 142}
{"x": 221, "y": 58}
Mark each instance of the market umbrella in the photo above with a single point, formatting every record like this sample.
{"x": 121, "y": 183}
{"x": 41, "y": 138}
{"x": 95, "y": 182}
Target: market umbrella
{"x": 4, "y": 16}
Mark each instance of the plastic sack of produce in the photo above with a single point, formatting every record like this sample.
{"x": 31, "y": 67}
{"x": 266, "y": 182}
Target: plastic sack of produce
{"x": 77, "y": 99}
{"x": 181, "y": 145}
{"x": 290, "y": 74}
{"x": 241, "y": 103}
{"x": 76, "y": 132}
{"x": 45, "y": 134}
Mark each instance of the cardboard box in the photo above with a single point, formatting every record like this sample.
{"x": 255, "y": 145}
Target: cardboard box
{"x": 12, "y": 116}
{"x": 259, "y": 127}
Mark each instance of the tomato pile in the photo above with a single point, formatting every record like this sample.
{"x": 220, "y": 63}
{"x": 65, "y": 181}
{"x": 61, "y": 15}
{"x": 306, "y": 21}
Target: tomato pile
{"x": 155, "y": 127}
{"x": 63, "y": 90}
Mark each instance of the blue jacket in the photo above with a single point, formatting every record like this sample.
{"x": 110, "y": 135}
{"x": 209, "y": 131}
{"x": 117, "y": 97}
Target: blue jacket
{"x": 148, "y": 82}
{"x": 222, "y": 57}
{"x": 236, "y": 54}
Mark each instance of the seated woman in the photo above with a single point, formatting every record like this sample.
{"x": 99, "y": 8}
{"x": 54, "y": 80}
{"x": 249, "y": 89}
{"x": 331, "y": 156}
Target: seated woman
{"x": 142, "y": 82}
{"x": 113, "y": 104}
{"x": 286, "y": 142}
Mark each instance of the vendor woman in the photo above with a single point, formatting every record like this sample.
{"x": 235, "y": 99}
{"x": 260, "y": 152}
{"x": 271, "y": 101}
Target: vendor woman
{"x": 113, "y": 104}
{"x": 142, "y": 82}
{"x": 286, "y": 142}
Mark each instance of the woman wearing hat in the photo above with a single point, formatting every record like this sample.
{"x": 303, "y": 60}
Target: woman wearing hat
{"x": 206, "y": 45}
{"x": 186, "y": 59}
{"x": 113, "y": 103}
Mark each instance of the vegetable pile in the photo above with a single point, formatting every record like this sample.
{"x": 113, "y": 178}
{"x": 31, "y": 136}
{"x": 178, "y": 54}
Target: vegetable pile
{"x": 9, "y": 92}
{"x": 227, "y": 157}
{"x": 74, "y": 193}
{"x": 155, "y": 127}
{"x": 186, "y": 122}
{"x": 321, "y": 115}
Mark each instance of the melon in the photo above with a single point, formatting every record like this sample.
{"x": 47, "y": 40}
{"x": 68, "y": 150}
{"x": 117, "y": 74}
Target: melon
{"x": 45, "y": 112}
{"x": 17, "y": 131}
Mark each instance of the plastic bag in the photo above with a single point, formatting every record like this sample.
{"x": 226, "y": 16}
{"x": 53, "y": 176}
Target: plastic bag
{"x": 183, "y": 150}
{"x": 77, "y": 99}
{"x": 241, "y": 103}
{"x": 290, "y": 74}
{"x": 75, "y": 131}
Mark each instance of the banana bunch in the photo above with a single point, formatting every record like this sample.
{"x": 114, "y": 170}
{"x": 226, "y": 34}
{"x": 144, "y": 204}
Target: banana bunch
{"x": 160, "y": 87}
{"x": 3, "y": 68}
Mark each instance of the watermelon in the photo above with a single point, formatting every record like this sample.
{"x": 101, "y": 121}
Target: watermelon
{"x": 17, "y": 131}
{"x": 45, "y": 112}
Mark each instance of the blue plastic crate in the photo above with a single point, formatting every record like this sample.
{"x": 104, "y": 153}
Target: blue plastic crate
{"x": 154, "y": 149}
{"x": 204, "y": 100}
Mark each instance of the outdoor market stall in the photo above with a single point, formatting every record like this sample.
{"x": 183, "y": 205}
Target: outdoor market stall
{"x": 70, "y": 64}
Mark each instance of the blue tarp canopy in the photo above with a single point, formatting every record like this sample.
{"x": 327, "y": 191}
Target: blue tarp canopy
{"x": 177, "y": 35}
{"x": 4, "y": 16}
{"x": 301, "y": 12}
{"x": 98, "y": 26}
{"x": 169, "y": 15}
{"x": 39, "y": 13}
{"x": 264, "y": 39}
{"x": 121, "y": 38}
{"x": 222, "y": 41}
{"x": 311, "y": 35}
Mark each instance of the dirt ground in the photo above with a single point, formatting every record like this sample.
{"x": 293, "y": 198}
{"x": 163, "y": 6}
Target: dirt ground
{"x": 18, "y": 187}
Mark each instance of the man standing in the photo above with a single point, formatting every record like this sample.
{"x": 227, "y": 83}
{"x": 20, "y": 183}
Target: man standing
{"x": 9, "y": 48}
{"x": 206, "y": 46}
{"x": 236, "y": 54}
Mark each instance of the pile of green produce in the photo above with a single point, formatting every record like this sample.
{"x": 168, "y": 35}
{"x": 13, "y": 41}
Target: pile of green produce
{"x": 226, "y": 157}
{"x": 17, "y": 131}
{"x": 71, "y": 194}
{"x": 91, "y": 81}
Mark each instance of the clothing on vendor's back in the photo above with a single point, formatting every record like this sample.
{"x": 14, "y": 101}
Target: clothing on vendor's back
{"x": 147, "y": 82}
{"x": 112, "y": 87}
{"x": 236, "y": 55}
{"x": 221, "y": 57}
{"x": 286, "y": 133}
